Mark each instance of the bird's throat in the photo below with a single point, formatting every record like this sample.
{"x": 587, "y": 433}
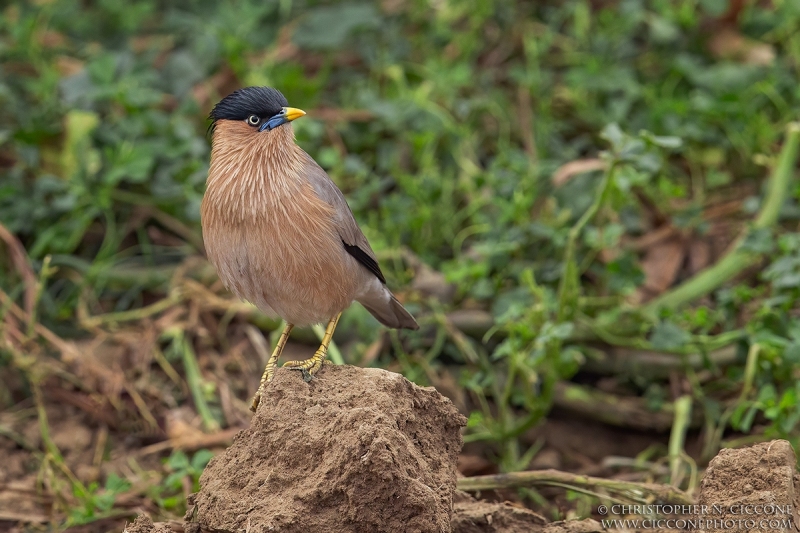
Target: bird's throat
{"x": 251, "y": 172}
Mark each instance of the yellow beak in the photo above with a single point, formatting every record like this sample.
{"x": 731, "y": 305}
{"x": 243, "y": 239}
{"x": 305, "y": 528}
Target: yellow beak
{"x": 292, "y": 113}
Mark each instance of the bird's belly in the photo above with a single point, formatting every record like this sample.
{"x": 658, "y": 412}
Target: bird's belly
{"x": 290, "y": 263}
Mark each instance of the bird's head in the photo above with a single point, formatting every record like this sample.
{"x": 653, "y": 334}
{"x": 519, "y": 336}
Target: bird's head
{"x": 252, "y": 144}
{"x": 262, "y": 109}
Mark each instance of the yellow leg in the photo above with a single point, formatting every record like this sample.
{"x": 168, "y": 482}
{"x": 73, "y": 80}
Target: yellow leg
{"x": 272, "y": 364}
{"x": 309, "y": 367}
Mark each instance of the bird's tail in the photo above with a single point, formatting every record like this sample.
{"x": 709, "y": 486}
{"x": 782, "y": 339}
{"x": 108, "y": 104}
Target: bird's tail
{"x": 391, "y": 314}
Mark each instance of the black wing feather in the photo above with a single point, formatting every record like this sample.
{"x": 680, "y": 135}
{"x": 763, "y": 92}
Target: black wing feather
{"x": 365, "y": 259}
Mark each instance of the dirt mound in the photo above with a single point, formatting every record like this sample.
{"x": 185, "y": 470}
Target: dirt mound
{"x": 353, "y": 450}
{"x": 758, "y": 483}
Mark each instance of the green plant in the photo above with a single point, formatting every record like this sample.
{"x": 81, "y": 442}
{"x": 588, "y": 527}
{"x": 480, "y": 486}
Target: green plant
{"x": 97, "y": 503}
{"x": 170, "y": 493}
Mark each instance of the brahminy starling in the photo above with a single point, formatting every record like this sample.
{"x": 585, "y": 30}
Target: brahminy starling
{"x": 279, "y": 231}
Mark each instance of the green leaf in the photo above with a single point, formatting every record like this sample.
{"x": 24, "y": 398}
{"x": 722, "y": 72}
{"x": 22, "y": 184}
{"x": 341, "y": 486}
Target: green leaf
{"x": 661, "y": 141}
{"x": 178, "y": 461}
{"x": 759, "y": 241}
{"x": 201, "y": 459}
{"x": 116, "y": 484}
{"x": 667, "y": 335}
{"x": 614, "y": 135}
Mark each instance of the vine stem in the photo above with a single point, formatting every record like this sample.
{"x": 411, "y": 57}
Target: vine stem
{"x": 569, "y": 279}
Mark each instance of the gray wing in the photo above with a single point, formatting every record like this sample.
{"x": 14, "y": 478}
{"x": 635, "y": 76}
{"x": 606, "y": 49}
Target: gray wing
{"x": 353, "y": 240}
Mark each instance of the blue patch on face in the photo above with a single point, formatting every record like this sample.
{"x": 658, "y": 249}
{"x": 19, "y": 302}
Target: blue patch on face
{"x": 274, "y": 121}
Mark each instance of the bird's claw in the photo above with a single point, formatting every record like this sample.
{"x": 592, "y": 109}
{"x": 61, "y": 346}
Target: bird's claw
{"x": 269, "y": 373}
{"x": 309, "y": 367}
{"x": 307, "y": 373}
{"x": 256, "y": 400}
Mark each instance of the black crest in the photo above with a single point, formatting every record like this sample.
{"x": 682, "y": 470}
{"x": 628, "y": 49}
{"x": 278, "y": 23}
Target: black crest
{"x": 262, "y": 101}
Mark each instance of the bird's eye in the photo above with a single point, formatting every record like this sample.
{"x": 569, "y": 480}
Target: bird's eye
{"x": 254, "y": 120}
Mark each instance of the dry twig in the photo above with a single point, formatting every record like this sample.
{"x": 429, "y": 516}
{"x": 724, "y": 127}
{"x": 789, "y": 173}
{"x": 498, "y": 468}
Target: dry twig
{"x": 629, "y": 490}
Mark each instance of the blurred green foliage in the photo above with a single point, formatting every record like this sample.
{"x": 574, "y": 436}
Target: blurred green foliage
{"x": 461, "y": 112}
{"x": 169, "y": 494}
{"x": 97, "y": 503}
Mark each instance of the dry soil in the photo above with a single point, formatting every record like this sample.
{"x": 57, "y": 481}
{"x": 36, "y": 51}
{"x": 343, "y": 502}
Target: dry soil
{"x": 353, "y": 450}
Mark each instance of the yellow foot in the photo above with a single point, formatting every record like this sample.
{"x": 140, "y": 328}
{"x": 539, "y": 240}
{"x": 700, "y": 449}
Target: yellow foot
{"x": 309, "y": 367}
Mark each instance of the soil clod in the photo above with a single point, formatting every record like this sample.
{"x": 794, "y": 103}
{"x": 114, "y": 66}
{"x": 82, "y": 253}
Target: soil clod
{"x": 751, "y": 484}
{"x": 478, "y": 516}
{"x": 143, "y": 524}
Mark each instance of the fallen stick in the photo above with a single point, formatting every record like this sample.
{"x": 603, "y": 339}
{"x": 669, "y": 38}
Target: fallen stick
{"x": 636, "y": 492}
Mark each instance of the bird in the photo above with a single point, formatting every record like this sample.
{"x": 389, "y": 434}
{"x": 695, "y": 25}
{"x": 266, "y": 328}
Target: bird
{"x": 280, "y": 232}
